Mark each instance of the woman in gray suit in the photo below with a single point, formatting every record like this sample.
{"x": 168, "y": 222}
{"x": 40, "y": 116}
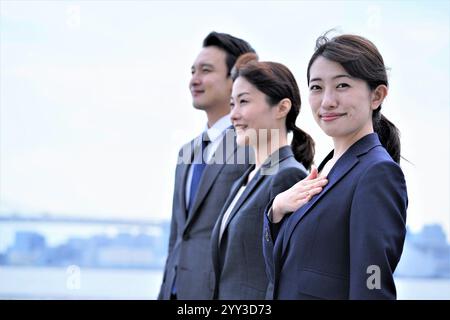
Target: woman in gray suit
{"x": 265, "y": 103}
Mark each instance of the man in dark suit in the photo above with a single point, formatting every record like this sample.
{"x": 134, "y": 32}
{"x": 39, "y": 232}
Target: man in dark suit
{"x": 206, "y": 170}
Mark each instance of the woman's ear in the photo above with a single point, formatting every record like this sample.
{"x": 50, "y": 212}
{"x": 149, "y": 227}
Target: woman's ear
{"x": 283, "y": 108}
{"x": 378, "y": 96}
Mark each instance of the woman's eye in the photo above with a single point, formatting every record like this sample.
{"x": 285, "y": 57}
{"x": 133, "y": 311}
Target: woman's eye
{"x": 243, "y": 101}
{"x": 342, "y": 85}
{"x": 231, "y": 105}
{"x": 314, "y": 87}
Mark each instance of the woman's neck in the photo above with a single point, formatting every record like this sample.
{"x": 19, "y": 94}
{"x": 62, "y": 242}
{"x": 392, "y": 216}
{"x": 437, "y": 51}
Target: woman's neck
{"x": 341, "y": 144}
{"x": 264, "y": 150}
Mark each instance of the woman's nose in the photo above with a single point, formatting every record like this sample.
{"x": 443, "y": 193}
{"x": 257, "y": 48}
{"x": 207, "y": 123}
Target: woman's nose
{"x": 234, "y": 114}
{"x": 329, "y": 100}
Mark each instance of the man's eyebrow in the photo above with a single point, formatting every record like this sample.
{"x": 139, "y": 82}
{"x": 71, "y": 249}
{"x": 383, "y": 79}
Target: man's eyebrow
{"x": 203, "y": 65}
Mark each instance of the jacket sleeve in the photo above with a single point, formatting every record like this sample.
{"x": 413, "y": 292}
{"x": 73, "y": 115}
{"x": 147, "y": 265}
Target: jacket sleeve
{"x": 377, "y": 231}
{"x": 173, "y": 235}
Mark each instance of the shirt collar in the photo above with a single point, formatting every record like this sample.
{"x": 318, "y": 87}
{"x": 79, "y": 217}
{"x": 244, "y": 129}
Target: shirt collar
{"x": 218, "y": 128}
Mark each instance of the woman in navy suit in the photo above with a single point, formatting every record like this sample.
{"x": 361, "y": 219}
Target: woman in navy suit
{"x": 344, "y": 242}
{"x": 265, "y": 103}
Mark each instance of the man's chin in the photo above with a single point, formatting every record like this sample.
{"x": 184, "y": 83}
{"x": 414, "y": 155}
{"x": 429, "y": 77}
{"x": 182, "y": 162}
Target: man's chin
{"x": 199, "y": 106}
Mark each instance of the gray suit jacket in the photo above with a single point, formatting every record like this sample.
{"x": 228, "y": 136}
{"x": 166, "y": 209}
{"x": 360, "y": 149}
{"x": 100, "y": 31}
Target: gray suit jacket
{"x": 189, "y": 256}
{"x": 238, "y": 261}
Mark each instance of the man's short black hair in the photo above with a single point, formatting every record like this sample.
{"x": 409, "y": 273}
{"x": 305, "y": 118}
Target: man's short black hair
{"x": 234, "y": 47}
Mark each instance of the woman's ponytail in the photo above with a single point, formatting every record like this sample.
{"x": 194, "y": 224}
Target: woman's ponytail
{"x": 388, "y": 133}
{"x": 303, "y": 146}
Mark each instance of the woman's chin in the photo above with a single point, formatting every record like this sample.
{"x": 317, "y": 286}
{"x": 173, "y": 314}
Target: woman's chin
{"x": 241, "y": 140}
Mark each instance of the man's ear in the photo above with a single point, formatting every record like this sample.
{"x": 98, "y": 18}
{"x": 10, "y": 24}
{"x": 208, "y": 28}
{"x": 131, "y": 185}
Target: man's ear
{"x": 283, "y": 108}
{"x": 378, "y": 96}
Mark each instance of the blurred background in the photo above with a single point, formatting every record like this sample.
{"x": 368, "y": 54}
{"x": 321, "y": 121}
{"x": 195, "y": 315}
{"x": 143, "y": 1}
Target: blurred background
{"x": 94, "y": 105}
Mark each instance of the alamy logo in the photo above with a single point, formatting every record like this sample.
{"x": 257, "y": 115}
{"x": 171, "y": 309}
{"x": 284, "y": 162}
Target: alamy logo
{"x": 73, "y": 281}
{"x": 374, "y": 280}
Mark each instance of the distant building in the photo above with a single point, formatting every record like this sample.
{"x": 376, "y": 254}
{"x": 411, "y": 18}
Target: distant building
{"x": 425, "y": 254}
{"x": 145, "y": 248}
{"x": 28, "y": 249}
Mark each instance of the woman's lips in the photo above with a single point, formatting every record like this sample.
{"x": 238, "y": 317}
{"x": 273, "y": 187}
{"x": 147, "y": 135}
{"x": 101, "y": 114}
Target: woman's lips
{"x": 331, "y": 116}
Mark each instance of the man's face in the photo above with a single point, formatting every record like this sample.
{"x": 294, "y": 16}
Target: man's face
{"x": 210, "y": 84}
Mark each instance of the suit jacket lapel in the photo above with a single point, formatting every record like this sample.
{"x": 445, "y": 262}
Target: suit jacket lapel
{"x": 211, "y": 172}
{"x": 248, "y": 191}
{"x": 273, "y": 161}
{"x": 235, "y": 188}
{"x": 216, "y": 231}
{"x": 182, "y": 196}
{"x": 347, "y": 161}
{"x": 184, "y": 170}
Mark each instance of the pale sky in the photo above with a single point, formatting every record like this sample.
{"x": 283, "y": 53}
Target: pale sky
{"x": 94, "y": 99}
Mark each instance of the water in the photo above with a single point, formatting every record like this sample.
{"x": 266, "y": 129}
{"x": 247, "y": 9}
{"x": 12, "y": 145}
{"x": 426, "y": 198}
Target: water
{"x": 57, "y": 283}
{"x": 61, "y": 283}
{"x": 423, "y": 288}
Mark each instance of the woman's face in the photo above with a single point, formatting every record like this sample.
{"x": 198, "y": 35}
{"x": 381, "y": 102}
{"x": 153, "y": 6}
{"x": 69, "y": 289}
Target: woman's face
{"x": 250, "y": 114}
{"x": 341, "y": 105}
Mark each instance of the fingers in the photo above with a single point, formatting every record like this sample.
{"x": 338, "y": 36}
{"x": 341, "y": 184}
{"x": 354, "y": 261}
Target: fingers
{"x": 313, "y": 174}
{"x": 303, "y": 184}
{"x": 319, "y": 183}
{"x": 309, "y": 193}
{"x": 315, "y": 191}
{"x": 304, "y": 198}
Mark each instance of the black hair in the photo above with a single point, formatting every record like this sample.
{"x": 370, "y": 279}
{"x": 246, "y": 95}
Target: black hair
{"x": 233, "y": 47}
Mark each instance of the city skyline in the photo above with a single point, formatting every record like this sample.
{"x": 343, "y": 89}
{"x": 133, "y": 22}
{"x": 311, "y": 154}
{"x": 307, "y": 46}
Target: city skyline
{"x": 425, "y": 253}
{"x": 128, "y": 264}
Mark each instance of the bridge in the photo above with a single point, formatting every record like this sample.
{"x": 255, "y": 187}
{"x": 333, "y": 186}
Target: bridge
{"x": 78, "y": 220}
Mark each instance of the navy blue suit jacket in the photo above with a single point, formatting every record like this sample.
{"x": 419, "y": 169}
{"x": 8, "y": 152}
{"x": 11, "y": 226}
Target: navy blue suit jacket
{"x": 345, "y": 243}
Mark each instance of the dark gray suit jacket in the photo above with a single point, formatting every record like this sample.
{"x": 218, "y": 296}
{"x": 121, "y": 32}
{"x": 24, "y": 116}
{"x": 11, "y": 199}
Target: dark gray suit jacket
{"x": 238, "y": 261}
{"x": 189, "y": 256}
